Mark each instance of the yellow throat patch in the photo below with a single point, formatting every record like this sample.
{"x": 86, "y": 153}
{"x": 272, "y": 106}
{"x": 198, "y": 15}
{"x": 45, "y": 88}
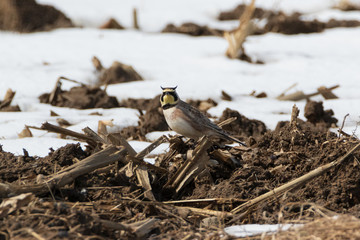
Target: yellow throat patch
{"x": 169, "y": 97}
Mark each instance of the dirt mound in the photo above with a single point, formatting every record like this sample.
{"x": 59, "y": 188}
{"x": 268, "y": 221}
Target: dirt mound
{"x": 279, "y": 22}
{"x": 276, "y": 21}
{"x": 348, "y": 6}
{"x": 282, "y": 23}
{"x": 15, "y": 108}
{"x": 112, "y": 24}
{"x": 192, "y": 29}
{"x": 315, "y": 113}
{"x": 28, "y": 16}
{"x": 292, "y": 24}
{"x": 203, "y": 105}
{"x": 242, "y": 127}
{"x": 94, "y": 202}
{"x": 67, "y": 155}
{"x": 4, "y": 107}
{"x": 116, "y": 73}
{"x": 11, "y": 166}
{"x": 239, "y": 10}
{"x": 281, "y": 156}
{"x": 152, "y": 120}
{"x": 59, "y": 216}
{"x": 5, "y": 104}
{"x": 81, "y": 97}
{"x": 137, "y": 103}
{"x": 333, "y": 23}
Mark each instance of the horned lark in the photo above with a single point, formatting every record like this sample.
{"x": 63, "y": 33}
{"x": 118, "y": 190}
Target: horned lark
{"x": 187, "y": 120}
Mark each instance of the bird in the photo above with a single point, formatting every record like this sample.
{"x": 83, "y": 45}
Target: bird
{"x": 187, "y": 120}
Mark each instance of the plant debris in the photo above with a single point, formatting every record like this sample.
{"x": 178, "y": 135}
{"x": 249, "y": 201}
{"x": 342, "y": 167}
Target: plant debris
{"x": 117, "y": 73}
{"x": 243, "y": 127}
{"x": 343, "y": 227}
{"x": 310, "y": 169}
{"x": 278, "y": 21}
{"x": 23, "y": 16}
{"x": 346, "y": 5}
{"x": 80, "y": 97}
{"x": 237, "y": 37}
{"x": 300, "y": 95}
{"x": 5, "y": 104}
{"x": 112, "y": 24}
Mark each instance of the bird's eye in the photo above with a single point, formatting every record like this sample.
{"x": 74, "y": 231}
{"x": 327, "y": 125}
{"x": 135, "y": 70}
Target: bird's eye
{"x": 162, "y": 98}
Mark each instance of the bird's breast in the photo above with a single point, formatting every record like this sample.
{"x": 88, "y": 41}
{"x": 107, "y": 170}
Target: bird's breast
{"x": 180, "y": 123}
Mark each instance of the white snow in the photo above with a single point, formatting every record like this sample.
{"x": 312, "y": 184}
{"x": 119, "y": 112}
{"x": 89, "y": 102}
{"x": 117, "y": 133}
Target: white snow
{"x": 36, "y": 146}
{"x": 248, "y": 230}
{"x": 31, "y": 63}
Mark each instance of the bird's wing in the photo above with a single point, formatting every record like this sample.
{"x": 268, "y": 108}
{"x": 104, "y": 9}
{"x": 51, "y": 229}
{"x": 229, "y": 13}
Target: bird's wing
{"x": 199, "y": 117}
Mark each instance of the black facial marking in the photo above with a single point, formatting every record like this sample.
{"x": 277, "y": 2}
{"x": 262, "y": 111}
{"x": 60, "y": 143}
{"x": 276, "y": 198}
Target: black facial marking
{"x": 167, "y": 106}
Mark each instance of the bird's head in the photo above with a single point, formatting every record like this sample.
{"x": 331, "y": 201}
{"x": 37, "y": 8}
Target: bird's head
{"x": 169, "y": 97}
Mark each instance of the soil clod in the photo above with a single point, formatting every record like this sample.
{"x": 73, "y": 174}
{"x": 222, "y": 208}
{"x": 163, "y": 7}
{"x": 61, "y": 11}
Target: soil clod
{"x": 315, "y": 113}
{"x": 278, "y": 21}
{"x": 80, "y": 97}
{"x": 28, "y": 16}
{"x": 192, "y": 29}
{"x": 243, "y": 127}
{"x": 117, "y": 73}
{"x": 5, "y": 104}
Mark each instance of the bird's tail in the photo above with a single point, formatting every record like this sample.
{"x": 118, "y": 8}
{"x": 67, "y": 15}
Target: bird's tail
{"x": 228, "y": 137}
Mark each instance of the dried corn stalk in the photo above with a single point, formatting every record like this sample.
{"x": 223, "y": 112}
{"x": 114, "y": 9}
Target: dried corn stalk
{"x": 236, "y": 38}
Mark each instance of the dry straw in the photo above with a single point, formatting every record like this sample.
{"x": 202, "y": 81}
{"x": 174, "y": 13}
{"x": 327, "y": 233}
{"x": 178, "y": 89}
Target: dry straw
{"x": 340, "y": 227}
{"x": 236, "y": 38}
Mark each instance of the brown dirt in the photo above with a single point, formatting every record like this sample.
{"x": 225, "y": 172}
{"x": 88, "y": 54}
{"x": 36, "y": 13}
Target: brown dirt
{"x": 282, "y": 23}
{"x": 287, "y": 24}
{"x": 15, "y": 108}
{"x": 192, "y": 29}
{"x": 239, "y": 10}
{"x": 112, "y": 24}
{"x": 274, "y": 158}
{"x": 315, "y": 113}
{"x": 118, "y": 73}
{"x": 138, "y": 103}
{"x": 28, "y": 16}
{"x": 152, "y": 120}
{"x": 333, "y": 23}
{"x": 15, "y": 168}
{"x": 82, "y": 97}
{"x": 348, "y": 6}
{"x": 276, "y": 22}
{"x": 242, "y": 127}
{"x": 203, "y": 105}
